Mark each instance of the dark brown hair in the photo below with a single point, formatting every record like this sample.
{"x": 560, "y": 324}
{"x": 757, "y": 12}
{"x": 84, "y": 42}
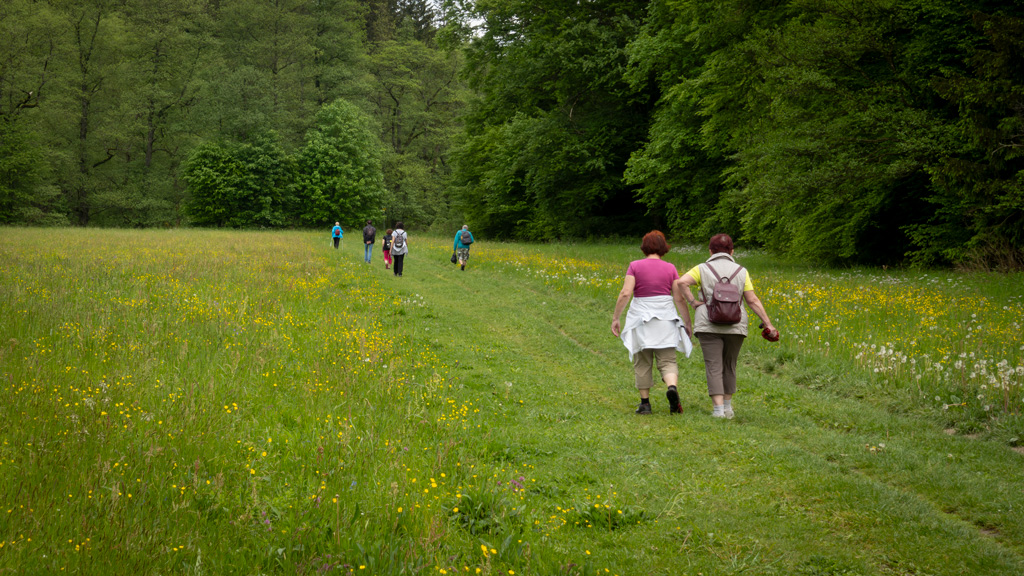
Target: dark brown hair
{"x": 720, "y": 243}
{"x": 654, "y": 243}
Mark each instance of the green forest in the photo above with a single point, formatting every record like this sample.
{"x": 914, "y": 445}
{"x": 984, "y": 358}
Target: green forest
{"x": 877, "y": 132}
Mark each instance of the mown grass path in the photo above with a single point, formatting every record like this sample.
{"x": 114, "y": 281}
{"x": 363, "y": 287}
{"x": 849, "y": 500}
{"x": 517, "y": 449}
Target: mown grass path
{"x": 800, "y": 481}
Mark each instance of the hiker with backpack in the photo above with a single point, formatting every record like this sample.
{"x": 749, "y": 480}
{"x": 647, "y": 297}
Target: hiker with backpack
{"x": 387, "y": 249}
{"x": 657, "y": 324}
{"x": 399, "y": 247}
{"x": 720, "y": 319}
{"x": 369, "y": 239}
{"x": 336, "y": 234}
{"x": 463, "y": 238}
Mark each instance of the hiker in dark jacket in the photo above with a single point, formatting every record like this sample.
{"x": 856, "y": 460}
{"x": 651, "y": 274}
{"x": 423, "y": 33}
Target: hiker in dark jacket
{"x": 369, "y": 239}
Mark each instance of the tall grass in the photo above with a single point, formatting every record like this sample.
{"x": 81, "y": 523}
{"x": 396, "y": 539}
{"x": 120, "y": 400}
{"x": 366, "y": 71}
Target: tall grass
{"x": 200, "y": 401}
{"x": 951, "y": 342}
{"x": 186, "y": 402}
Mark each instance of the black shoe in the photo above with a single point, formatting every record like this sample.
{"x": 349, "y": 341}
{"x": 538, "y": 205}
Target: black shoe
{"x": 644, "y": 409}
{"x": 674, "y": 407}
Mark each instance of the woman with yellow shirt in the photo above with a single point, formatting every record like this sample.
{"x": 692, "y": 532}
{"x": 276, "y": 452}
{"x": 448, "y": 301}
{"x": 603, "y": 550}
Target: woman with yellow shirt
{"x": 721, "y": 343}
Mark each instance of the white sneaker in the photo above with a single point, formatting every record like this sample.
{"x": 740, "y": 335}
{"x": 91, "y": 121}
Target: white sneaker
{"x": 718, "y": 415}
{"x": 729, "y": 413}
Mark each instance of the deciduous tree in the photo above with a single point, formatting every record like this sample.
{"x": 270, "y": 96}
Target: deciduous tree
{"x": 548, "y": 140}
{"x": 339, "y": 168}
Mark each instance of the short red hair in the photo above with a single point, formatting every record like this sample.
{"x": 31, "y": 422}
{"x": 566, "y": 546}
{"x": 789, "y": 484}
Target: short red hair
{"x": 720, "y": 243}
{"x": 654, "y": 243}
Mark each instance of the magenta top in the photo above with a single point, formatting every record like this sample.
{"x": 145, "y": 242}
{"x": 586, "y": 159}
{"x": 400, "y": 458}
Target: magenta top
{"x": 654, "y": 277}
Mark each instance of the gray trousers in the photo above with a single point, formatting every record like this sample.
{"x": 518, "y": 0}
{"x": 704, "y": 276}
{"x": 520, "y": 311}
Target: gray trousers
{"x": 721, "y": 351}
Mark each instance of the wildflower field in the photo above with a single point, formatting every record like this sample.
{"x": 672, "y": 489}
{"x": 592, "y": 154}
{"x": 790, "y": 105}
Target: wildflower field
{"x": 190, "y": 402}
{"x": 942, "y": 341}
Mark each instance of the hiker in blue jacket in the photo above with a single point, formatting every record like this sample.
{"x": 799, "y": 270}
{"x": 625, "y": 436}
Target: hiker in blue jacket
{"x": 463, "y": 238}
{"x": 337, "y": 233}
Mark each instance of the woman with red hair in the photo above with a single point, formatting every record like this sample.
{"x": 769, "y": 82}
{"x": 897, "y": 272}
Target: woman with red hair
{"x": 654, "y": 329}
{"x": 720, "y": 341}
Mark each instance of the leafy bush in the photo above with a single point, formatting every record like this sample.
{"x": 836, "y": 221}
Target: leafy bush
{"x": 240, "y": 185}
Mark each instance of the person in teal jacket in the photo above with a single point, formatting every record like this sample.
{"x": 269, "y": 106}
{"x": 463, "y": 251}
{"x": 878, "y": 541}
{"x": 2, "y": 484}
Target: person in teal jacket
{"x": 336, "y": 234}
{"x": 463, "y": 238}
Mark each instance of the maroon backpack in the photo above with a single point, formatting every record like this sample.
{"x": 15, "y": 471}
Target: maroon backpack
{"x": 724, "y": 306}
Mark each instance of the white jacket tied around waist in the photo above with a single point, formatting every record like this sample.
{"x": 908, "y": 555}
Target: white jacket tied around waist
{"x": 653, "y": 322}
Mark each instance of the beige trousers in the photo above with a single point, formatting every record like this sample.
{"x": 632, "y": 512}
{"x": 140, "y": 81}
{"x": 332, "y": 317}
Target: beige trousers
{"x": 643, "y": 362}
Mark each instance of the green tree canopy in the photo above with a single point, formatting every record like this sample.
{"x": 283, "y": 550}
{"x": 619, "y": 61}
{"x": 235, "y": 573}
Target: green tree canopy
{"x": 849, "y": 132}
{"x": 416, "y": 94}
{"x": 547, "y": 141}
{"x": 339, "y": 168}
{"x": 835, "y": 131}
{"x": 978, "y": 189}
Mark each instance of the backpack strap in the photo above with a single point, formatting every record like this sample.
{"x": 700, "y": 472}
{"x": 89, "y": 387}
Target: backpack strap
{"x": 713, "y": 271}
{"x": 717, "y": 278}
{"x": 703, "y": 285}
{"x": 735, "y": 273}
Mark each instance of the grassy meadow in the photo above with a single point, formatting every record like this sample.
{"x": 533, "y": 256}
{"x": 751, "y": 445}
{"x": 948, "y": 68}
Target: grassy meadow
{"x": 206, "y": 402}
